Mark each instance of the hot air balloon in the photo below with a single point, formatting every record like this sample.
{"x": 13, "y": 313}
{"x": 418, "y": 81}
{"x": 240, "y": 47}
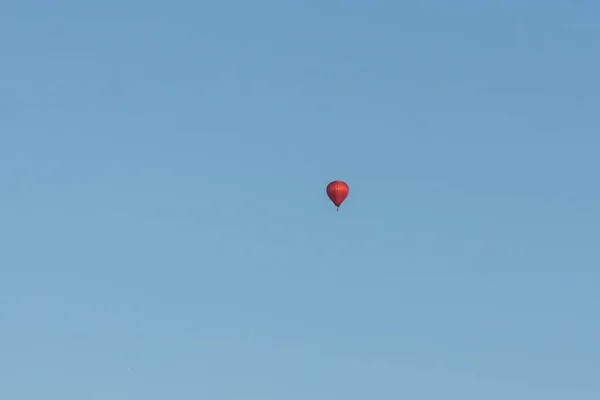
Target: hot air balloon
{"x": 337, "y": 191}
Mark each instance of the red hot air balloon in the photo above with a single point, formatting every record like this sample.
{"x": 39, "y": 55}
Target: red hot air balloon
{"x": 337, "y": 191}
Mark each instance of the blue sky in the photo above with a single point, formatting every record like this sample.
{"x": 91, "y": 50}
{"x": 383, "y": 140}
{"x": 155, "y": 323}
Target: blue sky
{"x": 166, "y": 234}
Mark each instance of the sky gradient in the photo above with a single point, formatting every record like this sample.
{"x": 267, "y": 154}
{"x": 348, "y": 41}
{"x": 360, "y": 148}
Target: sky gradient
{"x": 164, "y": 228}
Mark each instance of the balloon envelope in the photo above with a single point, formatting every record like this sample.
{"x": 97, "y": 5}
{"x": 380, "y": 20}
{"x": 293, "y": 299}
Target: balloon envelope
{"x": 338, "y": 191}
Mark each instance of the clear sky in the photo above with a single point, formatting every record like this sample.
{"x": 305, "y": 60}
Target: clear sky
{"x": 165, "y": 232}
